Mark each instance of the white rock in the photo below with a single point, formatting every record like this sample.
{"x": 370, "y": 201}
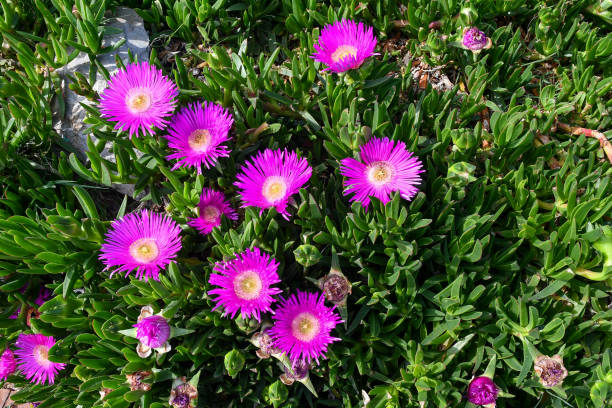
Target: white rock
{"x": 70, "y": 125}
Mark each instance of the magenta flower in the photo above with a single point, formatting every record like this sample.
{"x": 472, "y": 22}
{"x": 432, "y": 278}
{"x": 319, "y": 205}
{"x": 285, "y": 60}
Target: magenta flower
{"x": 195, "y": 134}
{"x": 482, "y": 391}
{"x": 271, "y": 178}
{"x": 153, "y": 331}
{"x": 245, "y": 284}
{"x": 145, "y": 241}
{"x": 386, "y": 166}
{"x": 138, "y": 98}
{"x": 33, "y": 358}
{"x": 7, "y": 364}
{"x": 344, "y": 45}
{"x": 212, "y": 205}
{"x": 303, "y": 325}
{"x": 475, "y": 40}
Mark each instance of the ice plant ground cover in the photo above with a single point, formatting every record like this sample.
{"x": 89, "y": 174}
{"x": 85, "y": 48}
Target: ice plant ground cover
{"x": 439, "y": 171}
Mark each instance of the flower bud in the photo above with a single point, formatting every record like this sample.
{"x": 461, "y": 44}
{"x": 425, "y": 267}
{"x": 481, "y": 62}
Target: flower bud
{"x": 550, "y": 370}
{"x": 475, "y": 40}
{"x": 335, "y": 287}
{"x": 435, "y": 25}
{"x": 247, "y": 325}
{"x": 183, "y": 394}
{"x": 482, "y": 391}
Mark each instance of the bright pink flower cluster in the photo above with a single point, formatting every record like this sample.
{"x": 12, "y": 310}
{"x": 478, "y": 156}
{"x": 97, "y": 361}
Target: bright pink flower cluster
{"x": 302, "y": 323}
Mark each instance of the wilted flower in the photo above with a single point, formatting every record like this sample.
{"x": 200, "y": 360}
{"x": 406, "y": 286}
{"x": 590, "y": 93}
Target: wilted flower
{"x": 135, "y": 380}
{"x": 264, "y": 343}
{"x": 153, "y": 331}
{"x": 145, "y": 241}
{"x": 196, "y": 135}
{"x": 8, "y": 364}
{"x": 33, "y": 358}
{"x": 271, "y": 178}
{"x": 104, "y": 392}
{"x": 303, "y": 325}
{"x": 482, "y": 391}
{"x": 211, "y": 207}
{"x": 299, "y": 372}
{"x": 335, "y": 287}
{"x": 344, "y": 45}
{"x": 245, "y": 284}
{"x": 475, "y": 40}
{"x": 138, "y": 98}
{"x": 183, "y": 394}
{"x": 386, "y": 166}
{"x": 550, "y": 370}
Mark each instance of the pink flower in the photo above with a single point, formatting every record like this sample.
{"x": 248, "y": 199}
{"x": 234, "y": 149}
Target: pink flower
{"x": 7, "y": 364}
{"x": 196, "y": 135}
{"x": 212, "y": 205}
{"x": 482, "y": 391}
{"x": 344, "y": 45}
{"x": 271, "y": 178}
{"x": 302, "y": 326}
{"x": 33, "y": 358}
{"x": 138, "y": 98}
{"x": 143, "y": 241}
{"x": 386, "y": 166}
{"x": 153, "y": 331}
{"x": 245, "y": 284}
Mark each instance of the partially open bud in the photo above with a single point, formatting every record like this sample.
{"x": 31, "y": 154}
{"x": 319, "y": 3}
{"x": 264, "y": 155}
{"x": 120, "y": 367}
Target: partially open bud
{"x": 135, "y": 380}
{"x": 153, "y": 331}
{"x": 550, "y": 370}
{"x": 183, "y": 394}
{"x": 335, "y": 287}
{"x": 475, "y": 40}
{"x": 299, "y": 372}
{"x": 482, "y": 391}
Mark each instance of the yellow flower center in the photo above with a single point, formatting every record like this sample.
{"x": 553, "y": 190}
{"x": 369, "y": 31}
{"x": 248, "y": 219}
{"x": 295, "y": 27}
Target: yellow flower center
{"x": 41, "y": 355}
{"x": 139, "y": 102}
{"x": 199, "y": 140}
{"x": 343, "y": 51}
{"x": 379, "y": 173}
{"x": 210, "y": 213}
{"x": 305, "y": 326}
{"x": 274, "y": 189}
{"x": 247, "y": 285}
{"x": 144, "y": 250}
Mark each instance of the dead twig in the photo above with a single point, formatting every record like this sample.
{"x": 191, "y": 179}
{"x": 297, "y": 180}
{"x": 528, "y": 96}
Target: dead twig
{"x": 576, "y": 130}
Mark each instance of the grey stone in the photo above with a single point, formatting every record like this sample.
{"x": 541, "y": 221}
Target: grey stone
{"x": 125, "y": 23}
